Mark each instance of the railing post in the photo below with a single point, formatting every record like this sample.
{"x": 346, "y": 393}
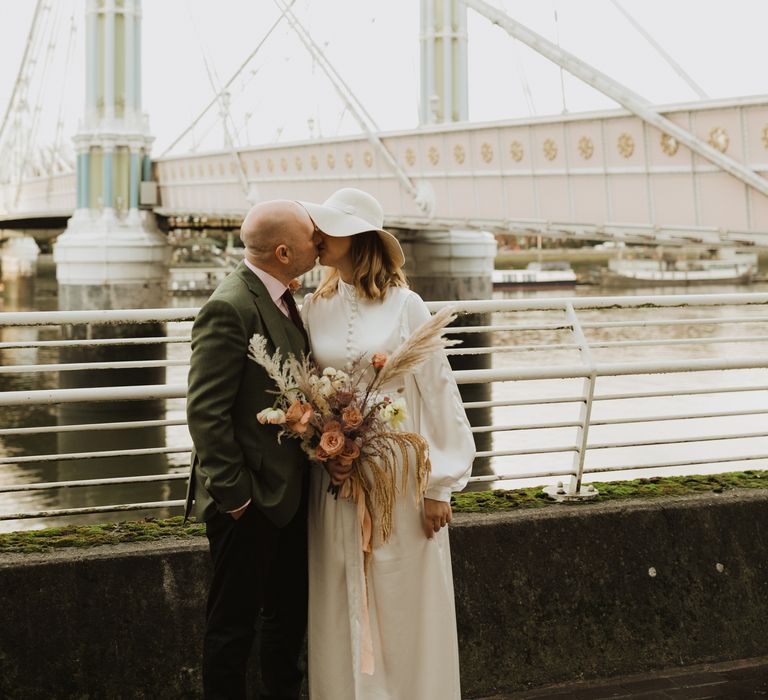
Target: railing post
{"x": 576, "y": 490}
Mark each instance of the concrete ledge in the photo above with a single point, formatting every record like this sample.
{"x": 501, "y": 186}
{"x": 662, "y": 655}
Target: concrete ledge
{"x": 542, "y": 596}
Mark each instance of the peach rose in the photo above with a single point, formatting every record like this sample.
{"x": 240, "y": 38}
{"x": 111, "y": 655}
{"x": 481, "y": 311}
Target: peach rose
{"x": 294, "y": 412}
{"x": 378, "y": 360}
{"x": 352, "y": 417}
{"x": 298, "y": 415}
{"x": 320, "y": 454}
{"x": 332, "y": 442}
{"x": 332, "y": 426}
{"x": 298, "y": 427}
{"x": 294, "y": 284}
{"x": 349, "y": 454}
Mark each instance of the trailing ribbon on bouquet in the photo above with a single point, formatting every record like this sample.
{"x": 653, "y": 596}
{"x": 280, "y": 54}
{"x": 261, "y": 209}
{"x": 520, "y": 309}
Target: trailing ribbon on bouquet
{"x": 352, "y": 491}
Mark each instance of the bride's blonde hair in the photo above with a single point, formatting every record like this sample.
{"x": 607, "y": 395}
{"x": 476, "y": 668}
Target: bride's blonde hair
{"x": 374, "y": 271}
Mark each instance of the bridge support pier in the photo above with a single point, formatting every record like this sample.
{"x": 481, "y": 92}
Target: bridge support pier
{"x": 105, "y": 262}
{"x": 458, "y": 265}
{"x": 19, "y": 258}
{"x": 19, "y": 270}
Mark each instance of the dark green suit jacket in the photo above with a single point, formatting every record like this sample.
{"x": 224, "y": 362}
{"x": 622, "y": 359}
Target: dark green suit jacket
{"x": 235, "y": 457}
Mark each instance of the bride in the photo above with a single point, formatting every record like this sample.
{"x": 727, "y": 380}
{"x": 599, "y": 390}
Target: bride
{"x": 395, "y": 639}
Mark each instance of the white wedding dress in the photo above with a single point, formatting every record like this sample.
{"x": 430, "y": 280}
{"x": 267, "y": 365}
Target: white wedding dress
{"x": 411, "y": 622}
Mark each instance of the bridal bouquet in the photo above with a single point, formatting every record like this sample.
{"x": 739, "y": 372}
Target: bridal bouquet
{"x": 346, "y": 417}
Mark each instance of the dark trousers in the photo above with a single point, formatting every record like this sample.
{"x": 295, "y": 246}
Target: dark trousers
{"x": 256, "y": 567}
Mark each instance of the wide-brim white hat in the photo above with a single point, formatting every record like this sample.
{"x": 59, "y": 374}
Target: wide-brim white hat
{"x": 350, "y": 211}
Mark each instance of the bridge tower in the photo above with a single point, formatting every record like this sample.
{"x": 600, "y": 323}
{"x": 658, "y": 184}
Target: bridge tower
{"x": 112, "y": 254}
{"x": 444, "y": 79}
{"x": 453, "y": 263}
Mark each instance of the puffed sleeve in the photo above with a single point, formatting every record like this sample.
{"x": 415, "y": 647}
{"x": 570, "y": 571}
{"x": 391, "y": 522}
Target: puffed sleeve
{"x": 442, "y": 419}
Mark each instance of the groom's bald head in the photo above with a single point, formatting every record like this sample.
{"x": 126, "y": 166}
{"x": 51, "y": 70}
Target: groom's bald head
{"x": 278, "y": 237}
{"x": 269, "y": 224}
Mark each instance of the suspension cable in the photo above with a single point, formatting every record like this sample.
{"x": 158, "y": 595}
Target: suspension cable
{"x": 421, "y": 198}
{"x": 661, "y": 51}
{"x": 58, "y": 139}
{"x": 229, "y": 82}
{"x": 22, "y": 66}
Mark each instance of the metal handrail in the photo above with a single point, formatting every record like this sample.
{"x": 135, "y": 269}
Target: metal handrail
{"x": 588, "y": 371}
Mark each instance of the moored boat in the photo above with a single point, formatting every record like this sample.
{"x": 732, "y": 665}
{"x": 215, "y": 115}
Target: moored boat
{"x": 726, "y": 267}
{"x": 536, "y": 274}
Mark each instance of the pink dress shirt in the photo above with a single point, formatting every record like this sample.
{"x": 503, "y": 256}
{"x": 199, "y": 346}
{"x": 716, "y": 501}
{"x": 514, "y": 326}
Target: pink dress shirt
{"x": 274, "y": 286}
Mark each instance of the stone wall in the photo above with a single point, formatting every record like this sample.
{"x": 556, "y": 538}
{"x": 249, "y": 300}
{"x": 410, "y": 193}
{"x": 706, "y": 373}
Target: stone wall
{"x": 542, "y": 596}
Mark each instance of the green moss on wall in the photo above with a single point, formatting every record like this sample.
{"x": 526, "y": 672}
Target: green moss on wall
{"x": 471, "y": 502}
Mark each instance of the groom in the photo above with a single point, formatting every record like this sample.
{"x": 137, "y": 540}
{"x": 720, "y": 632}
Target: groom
{"x": 248, "y": 488}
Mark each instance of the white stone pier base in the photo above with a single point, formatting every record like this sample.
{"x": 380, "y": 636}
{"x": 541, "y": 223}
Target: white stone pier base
{"x": 103, "y": 262}
{"x": 457, "y": 265}
{"x": 19, "y": 258}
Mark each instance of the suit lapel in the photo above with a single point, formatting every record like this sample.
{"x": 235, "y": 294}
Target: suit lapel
{"x": 282, "y": 332}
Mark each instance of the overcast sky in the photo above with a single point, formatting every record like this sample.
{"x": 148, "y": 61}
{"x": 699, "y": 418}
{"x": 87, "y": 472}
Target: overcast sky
{"x": 374, "y": 46}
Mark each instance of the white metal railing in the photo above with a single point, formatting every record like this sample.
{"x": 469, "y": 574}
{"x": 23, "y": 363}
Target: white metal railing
{"x": 569, "y": 385}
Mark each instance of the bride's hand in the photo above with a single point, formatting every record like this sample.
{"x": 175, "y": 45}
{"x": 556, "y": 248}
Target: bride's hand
{"x": 437, "y": 514}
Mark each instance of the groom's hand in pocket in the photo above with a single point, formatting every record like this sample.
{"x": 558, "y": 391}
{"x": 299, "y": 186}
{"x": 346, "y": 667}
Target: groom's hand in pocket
{"x": 237, "y": 514}
{"x": 437, "y": 514}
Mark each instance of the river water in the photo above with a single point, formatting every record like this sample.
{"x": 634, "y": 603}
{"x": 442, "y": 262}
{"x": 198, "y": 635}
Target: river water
{"x": 41, "y": 295}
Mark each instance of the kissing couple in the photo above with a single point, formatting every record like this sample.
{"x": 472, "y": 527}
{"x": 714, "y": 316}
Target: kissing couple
{"x": 282, "y": 548}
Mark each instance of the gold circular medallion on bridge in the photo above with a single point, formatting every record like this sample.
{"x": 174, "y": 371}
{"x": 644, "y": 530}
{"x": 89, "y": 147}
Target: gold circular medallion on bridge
{"x": 256, "y": 166}
{"x": 626, "y": 144}
{"x": 348, "y": 159}
{"x": 516, "y": 151}
{"x": 434, "y": 155}
{"x": 669, "y": 144}
{"x": 486, "y": 152}
{"x": 222, "y": 169}
{"x": 586, "y": 147}
{"x": 233, "y": 168}
{"x": 299, "y": 164}
{"x": 270, "y": 165}
{"x": 410, "y": 156}
{"x": 458, "y": 153}
{"x": 718, "y": 138}
{"x": 331, "y": 161}
{"x": 284, "y": 165}
{"x": 368, "y": 159}
{"x": 313, "y": 162}
{"x": 550, "y": 149}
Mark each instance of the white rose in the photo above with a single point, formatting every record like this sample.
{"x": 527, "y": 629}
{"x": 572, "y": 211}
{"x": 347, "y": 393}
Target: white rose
{"x": 275, "y": 416}
{"x": 325, "y": 387}
{"x": 395, "y": 413}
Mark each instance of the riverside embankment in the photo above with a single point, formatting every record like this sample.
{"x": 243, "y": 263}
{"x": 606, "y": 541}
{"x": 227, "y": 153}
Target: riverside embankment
{"x": 543, "y": 595}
